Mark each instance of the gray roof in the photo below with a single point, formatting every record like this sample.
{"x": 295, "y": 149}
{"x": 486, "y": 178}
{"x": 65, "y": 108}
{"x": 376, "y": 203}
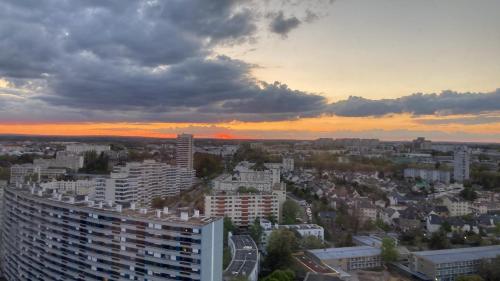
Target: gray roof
{"x": 345, "y": 252}
{"x": 461, "y": 254}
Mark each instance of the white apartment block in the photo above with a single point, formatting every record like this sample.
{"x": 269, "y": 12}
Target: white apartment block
{"x": 457, "y": 207}
{"x": 428, "y": 175}
{"x": 20, "y": 173}
{"x": 461, "y": 164}
{"x": 80, "y": 148}
{"x": 184, "y": 151}
{"x": 78, "y": 187}
{"x": 245, "y": 176}
{"x": 244, "y": 208}
{"x": 63, "y": 159}
{"x": 140, "y": 182}
{"x": 50, "y": 236}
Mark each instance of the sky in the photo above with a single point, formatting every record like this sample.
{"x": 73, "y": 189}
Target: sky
{"x": 277, "y": 69}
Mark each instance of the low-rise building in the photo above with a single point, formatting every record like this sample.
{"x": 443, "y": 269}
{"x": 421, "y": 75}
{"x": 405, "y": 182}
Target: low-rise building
{"x": 349, "y": 258}
{"x": 428, "y": 175}
{"x": 447, "y": 265}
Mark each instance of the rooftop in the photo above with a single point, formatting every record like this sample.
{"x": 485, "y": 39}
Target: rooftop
{"x": 163, "y": 215}
{"x": 345, "y": 252}
{"x": 461, "y": 254}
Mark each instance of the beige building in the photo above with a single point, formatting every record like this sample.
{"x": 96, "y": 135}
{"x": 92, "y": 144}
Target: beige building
{"x": 457, "y": 207}
{"x": 244, "y": 208}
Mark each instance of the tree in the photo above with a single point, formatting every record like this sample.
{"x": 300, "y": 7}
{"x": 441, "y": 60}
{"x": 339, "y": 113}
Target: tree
{"x": 389, "y": 251}
{"x": 207, "y": 166}
{"x": 95, "y": 164}
{"x": 311, "y": 242}
{"x": 468, "y": 194}
{"x": 157, "y": 203}
{"x": 290, "y": 211}
{"x": 490, "y": 270}
{"x": 446, "y": 227}
{"x": 282, "y": 243}
{"x": 228, "y": 227}
{"x": 469, "y": 278}
{"x": 280, "y": 275}
{"x": 439, "y": 241}
{"x": 256, "y": 231}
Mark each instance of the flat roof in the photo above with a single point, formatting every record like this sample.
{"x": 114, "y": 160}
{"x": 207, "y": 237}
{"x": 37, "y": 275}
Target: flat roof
{"x": 345, "y": 252}
{"x": 245, "y": 256}
{"x": 461, "y": 254}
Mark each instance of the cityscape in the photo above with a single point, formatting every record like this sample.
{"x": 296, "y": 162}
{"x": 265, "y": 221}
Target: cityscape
{"x": 208, "y": 209}
{"x": 247, "y": 140}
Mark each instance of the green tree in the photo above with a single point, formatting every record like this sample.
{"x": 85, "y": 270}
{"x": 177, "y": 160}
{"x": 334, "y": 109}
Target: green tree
{"x": 311, "y": 242}
{"x": 439, "y": 241}
{"x": 256, "y": 231}
{"x": 446, "y": 227}
{"x": 290, "y": 211}
{"x": 468, "y": 194}
{"x": 228, "y": 227}
{"x": 94, "y": 163}
{"x": 208, "y": 166}
{"x": 280, "y": 275}
{"x": 389, "y": 251}
{"x": 282, "y": 243}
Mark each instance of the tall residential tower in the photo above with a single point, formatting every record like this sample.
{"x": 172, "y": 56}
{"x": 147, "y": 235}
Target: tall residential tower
{"x": 184, "y": 151}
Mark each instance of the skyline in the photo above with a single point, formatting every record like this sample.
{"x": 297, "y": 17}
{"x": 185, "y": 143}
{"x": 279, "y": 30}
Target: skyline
{"x": 392, "y": 70}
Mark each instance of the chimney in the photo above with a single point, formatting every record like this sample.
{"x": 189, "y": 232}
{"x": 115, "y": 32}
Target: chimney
{"x": 196, "y": 213}
{"x": 165, "y": 210}
{"x": 184, "y": 216}
{"x": 158, "y": 213}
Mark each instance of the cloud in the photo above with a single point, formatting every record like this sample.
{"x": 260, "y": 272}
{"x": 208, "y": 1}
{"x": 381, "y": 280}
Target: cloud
{"x": 445, "y": 103}
{"x": 281, "y": 25}
{"x": 137, "y": 60}
{"x": 128, "y": 60}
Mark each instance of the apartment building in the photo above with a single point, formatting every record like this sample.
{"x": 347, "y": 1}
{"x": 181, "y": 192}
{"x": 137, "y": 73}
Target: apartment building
{"x": 19, "y": 174}
{"x": 63, "y": 159}
{"x": 246, "y": 174}
{"x": 447, "y": 265}
{"x": 78, "y": 187}
{"x": 49, "y": 236}
{"x": 184, "y": 151}
{"x": 80, "y": 148}
{"x": 140, "y": 182}
{"x": 456, "y": 206}
{"x": 348, "y": 258}
{"x": 244, "y": 208}
{"x": 461, "y": 164}
{"x": 428, "y": 175}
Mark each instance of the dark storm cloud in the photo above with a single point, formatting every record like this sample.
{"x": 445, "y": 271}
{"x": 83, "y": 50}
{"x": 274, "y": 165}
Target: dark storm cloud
{"x": 140, "y": 59}
{"x": 281, "y": 25}
{"x": 446, "y": 103}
